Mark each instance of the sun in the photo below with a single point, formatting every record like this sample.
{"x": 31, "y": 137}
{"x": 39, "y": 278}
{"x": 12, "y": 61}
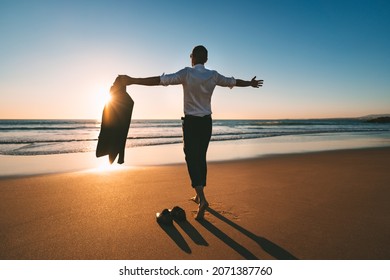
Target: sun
{"x": 105, "y": 96}
{"x": 100, "y": 97}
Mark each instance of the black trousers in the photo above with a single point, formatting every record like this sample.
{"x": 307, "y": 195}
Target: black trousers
{"x": 196, "y": 136}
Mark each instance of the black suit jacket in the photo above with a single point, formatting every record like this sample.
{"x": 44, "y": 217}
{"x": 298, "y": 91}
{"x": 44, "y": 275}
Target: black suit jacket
{"x": 115, "y": 125}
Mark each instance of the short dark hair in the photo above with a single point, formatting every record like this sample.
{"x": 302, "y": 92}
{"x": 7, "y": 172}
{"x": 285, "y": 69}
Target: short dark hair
{"x": 200, "y": 54}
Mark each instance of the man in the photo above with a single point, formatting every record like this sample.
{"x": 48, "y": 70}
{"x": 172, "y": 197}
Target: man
{"x": 198, "y": 86}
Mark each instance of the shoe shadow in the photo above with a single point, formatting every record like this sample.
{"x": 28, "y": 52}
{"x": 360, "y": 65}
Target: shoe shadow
{"x": 268, "y": 246}
{"x": 227, "y": 240}
{"x": 191, "y": 231}
{"x": 175, "y": 235}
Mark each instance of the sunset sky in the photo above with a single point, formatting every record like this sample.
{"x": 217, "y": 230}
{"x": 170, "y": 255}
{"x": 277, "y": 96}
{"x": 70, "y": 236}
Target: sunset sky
{"x": 318, "y": 59}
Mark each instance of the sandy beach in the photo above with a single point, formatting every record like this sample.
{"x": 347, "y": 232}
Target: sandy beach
{"x": 321, "y": 205}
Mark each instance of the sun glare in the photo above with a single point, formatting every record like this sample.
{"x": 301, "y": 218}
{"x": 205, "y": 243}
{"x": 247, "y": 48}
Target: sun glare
{"x": 105, "y": 166}
{"x": 104, "y": 96}
{"x": 100, "y": 98}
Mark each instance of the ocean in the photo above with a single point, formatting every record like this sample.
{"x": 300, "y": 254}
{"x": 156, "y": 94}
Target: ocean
{"x": 45, "y": 137}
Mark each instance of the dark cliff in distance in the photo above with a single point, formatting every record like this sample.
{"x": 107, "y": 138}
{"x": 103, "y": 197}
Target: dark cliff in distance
{"x": 380, "y": 120}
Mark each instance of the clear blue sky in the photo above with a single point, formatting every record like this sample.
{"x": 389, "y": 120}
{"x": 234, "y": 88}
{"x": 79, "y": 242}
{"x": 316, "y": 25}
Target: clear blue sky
{"x": 318, "y": 58}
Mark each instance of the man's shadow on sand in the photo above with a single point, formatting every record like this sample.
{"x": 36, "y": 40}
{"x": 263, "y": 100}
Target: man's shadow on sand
{"x": 190, "y": 230}
{"x": 268, "y": 246}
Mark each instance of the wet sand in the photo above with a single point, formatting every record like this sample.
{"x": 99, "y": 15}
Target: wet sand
{"x": 322, "y": 205}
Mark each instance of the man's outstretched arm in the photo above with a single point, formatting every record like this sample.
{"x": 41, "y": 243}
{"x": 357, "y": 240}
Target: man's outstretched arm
{"x": 149, "y": 81}
{"x": 252, "y": 83}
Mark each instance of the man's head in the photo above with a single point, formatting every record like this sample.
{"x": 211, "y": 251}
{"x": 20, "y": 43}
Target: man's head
{"x": 199, "y": 55}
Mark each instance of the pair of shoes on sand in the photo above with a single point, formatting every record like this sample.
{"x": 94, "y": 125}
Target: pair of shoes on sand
{"x": 167, "y": 216}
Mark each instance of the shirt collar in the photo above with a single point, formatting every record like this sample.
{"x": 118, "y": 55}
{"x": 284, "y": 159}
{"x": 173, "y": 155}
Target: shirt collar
{"x": 199, "y": 66}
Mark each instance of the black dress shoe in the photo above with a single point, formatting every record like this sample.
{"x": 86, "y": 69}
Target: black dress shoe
{"x": 164, "y": 218}
{"x": 178, "y": 214}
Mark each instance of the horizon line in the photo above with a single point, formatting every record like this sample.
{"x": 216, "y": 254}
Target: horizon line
{"x": 227, "y": 119}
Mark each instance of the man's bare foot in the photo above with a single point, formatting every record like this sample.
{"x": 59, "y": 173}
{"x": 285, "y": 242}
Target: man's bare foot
{"x": 202, "y": 208}
{"x": 195, "y": 199}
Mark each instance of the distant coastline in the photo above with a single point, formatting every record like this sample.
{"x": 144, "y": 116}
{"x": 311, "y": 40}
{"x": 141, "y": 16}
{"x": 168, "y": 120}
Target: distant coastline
{"x": 380, "y": 120}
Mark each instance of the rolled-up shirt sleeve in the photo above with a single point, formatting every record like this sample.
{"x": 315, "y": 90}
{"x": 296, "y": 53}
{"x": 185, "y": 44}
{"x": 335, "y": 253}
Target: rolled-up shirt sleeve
{"x": 223, "y": 81}
{"x": 173, "y": 79}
